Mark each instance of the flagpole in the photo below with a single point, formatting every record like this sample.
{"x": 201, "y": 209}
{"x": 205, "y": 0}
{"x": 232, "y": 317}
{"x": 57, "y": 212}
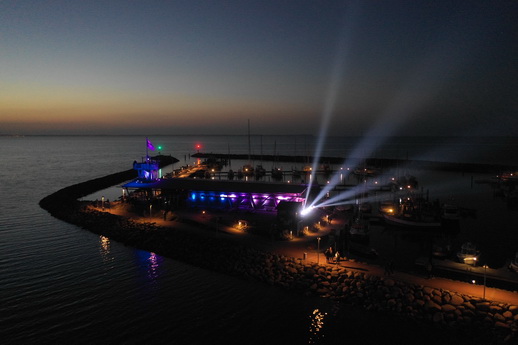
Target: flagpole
{"x": 147, "y": 156}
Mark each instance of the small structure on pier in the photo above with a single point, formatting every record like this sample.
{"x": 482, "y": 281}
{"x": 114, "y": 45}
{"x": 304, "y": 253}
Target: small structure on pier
{"x": 148, "y": 169}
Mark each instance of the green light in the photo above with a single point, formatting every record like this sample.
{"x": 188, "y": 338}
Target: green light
{"x": 159, "y": 147}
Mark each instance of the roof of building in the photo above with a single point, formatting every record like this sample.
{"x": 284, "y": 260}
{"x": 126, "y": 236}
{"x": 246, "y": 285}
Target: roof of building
{"x": 192, "y": 184}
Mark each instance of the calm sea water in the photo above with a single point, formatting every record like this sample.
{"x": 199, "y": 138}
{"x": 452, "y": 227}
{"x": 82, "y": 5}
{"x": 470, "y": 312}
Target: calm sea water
{"x": 60, "y": 283}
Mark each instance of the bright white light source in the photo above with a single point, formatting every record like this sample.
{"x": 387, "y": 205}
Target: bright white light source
{"x": 306, "y": 211}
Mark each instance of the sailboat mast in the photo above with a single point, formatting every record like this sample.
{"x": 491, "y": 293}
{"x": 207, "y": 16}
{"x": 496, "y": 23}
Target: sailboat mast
{"x": 249, "y": 141}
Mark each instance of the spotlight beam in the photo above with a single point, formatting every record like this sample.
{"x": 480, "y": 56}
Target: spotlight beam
{"x": 336, "y": 76}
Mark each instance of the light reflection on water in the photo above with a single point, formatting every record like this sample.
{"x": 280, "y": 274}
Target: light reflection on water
{"x": 153, "y": 267}
{"x": 105, "y": 249}
{"x": 316, "y": 333}
{"x": 149, "y": 263}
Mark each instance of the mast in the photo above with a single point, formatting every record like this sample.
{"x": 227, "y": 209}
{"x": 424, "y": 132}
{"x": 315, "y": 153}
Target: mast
{"x": 249, "y": 141}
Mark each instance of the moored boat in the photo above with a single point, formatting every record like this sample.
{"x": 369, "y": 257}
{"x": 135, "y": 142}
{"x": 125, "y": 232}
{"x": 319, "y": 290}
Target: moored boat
{"x": 248, "y": 170}
{"x": 388, "y": 207}
{"x": 412, "y": 212}
{"x": 468, "y": 254}
{"x": 513, "y": 265}
{"x": 277, "y": 174}
{"x": 259, "y": 172}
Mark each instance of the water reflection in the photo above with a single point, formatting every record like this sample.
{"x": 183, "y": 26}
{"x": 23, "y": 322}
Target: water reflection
{"x": 153, "y": 267}
{"x": 316, "y": 334}
{"x": 105, "y": 249}
{"x": 150, "y": 262}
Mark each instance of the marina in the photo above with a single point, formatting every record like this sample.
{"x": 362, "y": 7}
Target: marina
{"x": 201, "y": 183}
{"x": 259, "y": 172}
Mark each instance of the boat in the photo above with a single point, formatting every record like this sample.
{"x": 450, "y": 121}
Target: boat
{"x": 388, "y": 207}
{"x": 468, "y": 254}
{"x": 508, "y": 177}
{"x": 248, "y": 170}
{"x": 405, "y": 182}
{"x": 277, "y": 174}
{"x": 413, "y": 212}
{"x": 513, "y": 265}
{"x": 295, "y": 174}
{"x": 259, "y": 172}
{"x": 366, "y": 171}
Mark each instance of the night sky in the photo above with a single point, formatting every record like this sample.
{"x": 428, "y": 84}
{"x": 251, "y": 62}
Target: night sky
{"x": 291, "y": 67}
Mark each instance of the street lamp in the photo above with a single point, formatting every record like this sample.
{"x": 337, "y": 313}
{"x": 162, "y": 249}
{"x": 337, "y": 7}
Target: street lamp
{"x": 485, "y": 269}
{"x": 318, "y": 250}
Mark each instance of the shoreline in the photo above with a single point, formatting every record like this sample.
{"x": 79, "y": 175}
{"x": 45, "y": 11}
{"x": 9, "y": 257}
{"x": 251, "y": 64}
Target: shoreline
{"x": 228, "y": 255}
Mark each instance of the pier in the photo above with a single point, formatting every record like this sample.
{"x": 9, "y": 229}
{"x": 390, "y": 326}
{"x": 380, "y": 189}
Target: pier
{"x": 377, "y": 162}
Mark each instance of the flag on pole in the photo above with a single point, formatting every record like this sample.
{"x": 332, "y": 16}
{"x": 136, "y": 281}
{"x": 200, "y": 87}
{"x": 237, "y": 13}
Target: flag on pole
{"x": 150, "y": 145}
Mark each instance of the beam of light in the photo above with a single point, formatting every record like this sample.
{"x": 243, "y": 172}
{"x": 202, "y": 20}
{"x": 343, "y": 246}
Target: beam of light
{"x": 348, "y": 194}
{"x": 424, "y": 83}
{"x": 436, "y": 67}
{"x": 336, "y": 76}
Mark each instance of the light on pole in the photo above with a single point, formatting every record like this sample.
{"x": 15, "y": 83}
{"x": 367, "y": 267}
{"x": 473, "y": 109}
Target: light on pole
{"x": 318, "y": 250}
{"x": 485, "y": 269}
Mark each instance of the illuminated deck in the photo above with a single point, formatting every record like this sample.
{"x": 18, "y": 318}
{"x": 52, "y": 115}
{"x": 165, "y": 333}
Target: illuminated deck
{"x": 225, "y": 193}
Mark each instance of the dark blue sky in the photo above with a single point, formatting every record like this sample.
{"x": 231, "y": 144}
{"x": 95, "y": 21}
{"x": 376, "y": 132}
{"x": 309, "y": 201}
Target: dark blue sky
{"x": 205, "y": 67}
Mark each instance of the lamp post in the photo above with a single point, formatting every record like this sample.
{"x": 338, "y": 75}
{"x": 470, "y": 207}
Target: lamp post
{"x": 318, "y": 250}
{"x": 485, "y": 269}
{"x": 102, "y": 202}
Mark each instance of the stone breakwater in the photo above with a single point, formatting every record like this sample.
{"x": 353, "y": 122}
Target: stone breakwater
{"x": 446, "y": 309}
